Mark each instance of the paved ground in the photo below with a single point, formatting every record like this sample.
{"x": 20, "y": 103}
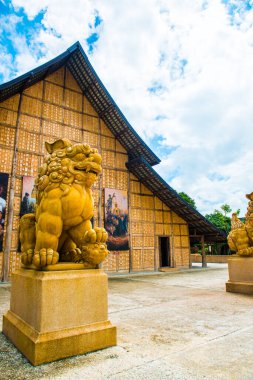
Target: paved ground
{"x": 179, "y": 326}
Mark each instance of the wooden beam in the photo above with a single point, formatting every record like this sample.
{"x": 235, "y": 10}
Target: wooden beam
{"x": 203, "y": 252}
{"x": 12, "y": 178}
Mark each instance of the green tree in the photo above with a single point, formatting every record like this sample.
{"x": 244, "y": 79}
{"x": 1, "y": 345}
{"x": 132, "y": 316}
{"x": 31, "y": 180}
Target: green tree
{"x": 188, "y": 199}
{"x": 221, "y": 220}
{"x": 226, "y": 208}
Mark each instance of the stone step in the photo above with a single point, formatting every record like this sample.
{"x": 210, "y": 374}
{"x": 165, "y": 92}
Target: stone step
{"x": 168, "y": 269}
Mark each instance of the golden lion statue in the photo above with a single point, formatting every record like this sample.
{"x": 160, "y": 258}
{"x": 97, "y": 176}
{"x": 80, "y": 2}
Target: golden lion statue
{"x": 240, "y": 238}
{"x": 60, "y": 229}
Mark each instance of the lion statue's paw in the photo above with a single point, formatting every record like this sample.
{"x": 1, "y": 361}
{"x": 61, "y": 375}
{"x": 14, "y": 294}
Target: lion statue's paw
{"x": 46, "y": 256}
{"x": 94, "y": 253}
{"x": 27, "y": 257}
{"x": 245, "y": 251}
{"x": 96, "y": 235}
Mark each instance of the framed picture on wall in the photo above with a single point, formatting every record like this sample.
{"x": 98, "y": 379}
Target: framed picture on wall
{"x": 28, "y": 198}
{"x": 4, "y": 177}
{"x": 116, "y": 219}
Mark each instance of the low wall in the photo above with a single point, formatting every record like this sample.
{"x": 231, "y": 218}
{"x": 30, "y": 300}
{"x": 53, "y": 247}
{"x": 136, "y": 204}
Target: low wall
{"x": 196, "y": 258}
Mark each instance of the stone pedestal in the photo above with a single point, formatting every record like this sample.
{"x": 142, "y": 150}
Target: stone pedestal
{"x": 57, "y": 314}
{"x": 240, "y": 271}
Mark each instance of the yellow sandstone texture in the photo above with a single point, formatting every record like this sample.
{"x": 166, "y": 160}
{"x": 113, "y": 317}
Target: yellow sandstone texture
{"x": 57, "y": 314}
{"x": 61, "y": 229}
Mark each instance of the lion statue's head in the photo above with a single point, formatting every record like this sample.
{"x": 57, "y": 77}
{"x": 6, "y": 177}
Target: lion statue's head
{"x": 68, "y": 163}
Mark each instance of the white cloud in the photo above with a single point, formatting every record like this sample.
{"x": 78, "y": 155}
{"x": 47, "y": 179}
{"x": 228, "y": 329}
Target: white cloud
{"x": 198, "y": 58}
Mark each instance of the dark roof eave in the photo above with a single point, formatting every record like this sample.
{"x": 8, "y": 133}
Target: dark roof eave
{"x": 147, "y": 175}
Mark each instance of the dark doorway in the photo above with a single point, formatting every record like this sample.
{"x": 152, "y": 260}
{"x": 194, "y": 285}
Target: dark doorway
{"x": 164, "y": 245}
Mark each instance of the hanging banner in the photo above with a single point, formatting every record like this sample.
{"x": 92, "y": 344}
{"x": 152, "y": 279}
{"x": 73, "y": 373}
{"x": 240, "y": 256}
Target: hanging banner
{"x": 3, "y": 198}
{"x": 116, "y": 219}
{"x": 28, "y": 199}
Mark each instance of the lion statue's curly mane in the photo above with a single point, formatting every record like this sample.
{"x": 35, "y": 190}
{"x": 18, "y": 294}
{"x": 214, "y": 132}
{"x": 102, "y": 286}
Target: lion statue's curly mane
{"x": 61, "y": 229}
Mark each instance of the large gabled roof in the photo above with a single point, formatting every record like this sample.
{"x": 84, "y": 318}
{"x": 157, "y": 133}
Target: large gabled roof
{"x": 78, "y": 64}
{"x": 141, "y": 157}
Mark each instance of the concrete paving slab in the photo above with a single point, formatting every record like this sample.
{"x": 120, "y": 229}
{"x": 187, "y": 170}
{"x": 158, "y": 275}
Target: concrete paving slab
{"x": 170, "y": 326}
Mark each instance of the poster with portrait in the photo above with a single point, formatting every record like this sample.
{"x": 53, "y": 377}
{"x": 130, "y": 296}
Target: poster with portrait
{"x": 116, "y": 219}
{"x": 28, "y": 200}
{"x": 3, "y": 198}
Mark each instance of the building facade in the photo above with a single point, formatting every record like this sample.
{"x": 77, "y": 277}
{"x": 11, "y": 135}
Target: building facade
{"x": 66, "y": 99}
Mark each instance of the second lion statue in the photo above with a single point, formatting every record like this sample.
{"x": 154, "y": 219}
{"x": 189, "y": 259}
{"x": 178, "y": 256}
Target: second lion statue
{"x": 60, "y": 229}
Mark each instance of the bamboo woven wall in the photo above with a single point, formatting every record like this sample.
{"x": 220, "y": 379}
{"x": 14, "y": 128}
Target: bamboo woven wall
{"x": 151, "y": 218}
{"x": 56, "y": 108}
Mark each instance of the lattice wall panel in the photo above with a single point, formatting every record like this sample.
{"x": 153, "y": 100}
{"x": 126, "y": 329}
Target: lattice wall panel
{"x": 111, "y": 262}
{"x": 57, "y": 77}
{"x": 7, "y": 136}
{"x": 123, "y": 261}
{"x": 15, "y": 224}
{"x": 74, "y": 134}
{"x": 18, "y": 186}
{"x": 53, "y": 93}
{"x": 120, "y": 161}
{"x": 30, "y": 123}
{"x": 36, "y": 90}
{"x": 73, "y": 100}
{"x": 176, "y": 229}
{"x": 108, "y": 158}
{"x": 91, "y": 124}
{"x": 107, "y": 143}
{"x": 16, "y": 205}
{"x": 90, "y": 138}
{"x": 135, "y": 200}
{"x": 136, "y": 259}
{"x": 109, "y": 179}
{"x": 27, "y": 164}
{"x": 148, "y": 259}
{"x": 11, "y": 103}
{"x": 119, "y": 148}
{"x": 87, "y": 107}
{"x": 6, "y": 160}
{"x": 135, "y": 187}
{"x": 71, "y": 83}
{"x": 177, "y": 219}
{"x": 52, "y": 112}
{"x": 28, "y": 141}
{"x": 73, "y": 118}
{"x": 52, "y": 129}
{"x": 8, "y": 117}
{"x": 31, "y": 106}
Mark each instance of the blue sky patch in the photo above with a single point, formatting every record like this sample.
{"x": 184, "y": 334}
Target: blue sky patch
{"x": 237, "y": 8}
{"x": 156, "y": 88}
{"x": 94, "y": 36}
{"x": 217, "y": 177}
{"x": 157, "y": 144}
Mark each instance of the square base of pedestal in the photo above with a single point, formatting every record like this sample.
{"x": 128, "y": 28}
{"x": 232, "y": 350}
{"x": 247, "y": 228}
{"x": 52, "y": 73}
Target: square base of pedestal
{"x": 240, "y": 270}
{"x": 57, "y": 314}
{"x": 41, "y": 348}
{"x": 239, "y": 287}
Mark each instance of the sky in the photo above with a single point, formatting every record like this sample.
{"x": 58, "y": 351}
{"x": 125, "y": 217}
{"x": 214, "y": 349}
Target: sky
{"x": 179, "y": 70}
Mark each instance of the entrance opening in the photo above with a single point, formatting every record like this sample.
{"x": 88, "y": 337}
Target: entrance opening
{"x": 164, "y": 244}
